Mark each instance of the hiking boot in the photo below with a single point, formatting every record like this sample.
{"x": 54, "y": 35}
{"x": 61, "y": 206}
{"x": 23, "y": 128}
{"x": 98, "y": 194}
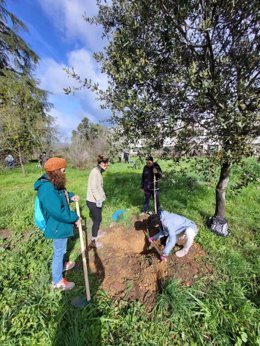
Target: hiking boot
{"x": 63, "y": 285}
{"x": 68, "y": 265}
{"x": 95, "y": 244}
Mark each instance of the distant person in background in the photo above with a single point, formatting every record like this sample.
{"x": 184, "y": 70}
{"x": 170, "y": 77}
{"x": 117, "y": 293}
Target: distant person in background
{"x": 9, "y": 161}
{"x": 173, "y": 226}
{"x": 96, "y": 196}
{"x": 151, "y": 171}
{"x": 43, "y": 158}
{"x": 60, "y": 219}
{"x": 126, "y": 157}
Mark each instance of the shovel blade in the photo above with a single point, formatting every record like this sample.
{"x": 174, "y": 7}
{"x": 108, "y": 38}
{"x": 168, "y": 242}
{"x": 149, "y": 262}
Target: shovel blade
{"x": 79, "y": 302}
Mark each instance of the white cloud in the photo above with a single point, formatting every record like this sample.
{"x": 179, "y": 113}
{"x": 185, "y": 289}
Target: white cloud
{"x": 69, "y": 110}
{"x": 85, "y": 65}
{"x": 67, "y": 17}
{"x": 54, "y": 78}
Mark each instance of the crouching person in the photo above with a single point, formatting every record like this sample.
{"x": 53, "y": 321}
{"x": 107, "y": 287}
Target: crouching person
{"x": 60, "y": 219}
{"x": 173, "y": 226}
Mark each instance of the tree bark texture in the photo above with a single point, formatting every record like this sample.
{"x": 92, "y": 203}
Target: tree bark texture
{"x": 221, "y": 189}
{"x": 21, "y": 162}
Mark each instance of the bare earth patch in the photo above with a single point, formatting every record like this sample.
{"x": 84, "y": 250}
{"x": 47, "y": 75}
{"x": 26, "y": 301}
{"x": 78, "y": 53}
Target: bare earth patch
{"x": 5, "y": 234}
{"x": 128, "y": 269}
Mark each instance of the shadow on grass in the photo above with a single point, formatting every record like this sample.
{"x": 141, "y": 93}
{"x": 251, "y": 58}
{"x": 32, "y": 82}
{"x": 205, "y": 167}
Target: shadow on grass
{"x": 188, "y": 193}
{"x": 80, "y": 326}
{"x": 124, "y": 188}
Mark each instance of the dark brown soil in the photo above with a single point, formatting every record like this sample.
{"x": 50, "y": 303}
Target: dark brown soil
{"x": 128, "y": 269}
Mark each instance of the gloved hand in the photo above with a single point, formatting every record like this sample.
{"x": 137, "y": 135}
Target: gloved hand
{"x": 155, "y": 170}
{"x": 163, "y": 258}
{"x": 99, "y": 204}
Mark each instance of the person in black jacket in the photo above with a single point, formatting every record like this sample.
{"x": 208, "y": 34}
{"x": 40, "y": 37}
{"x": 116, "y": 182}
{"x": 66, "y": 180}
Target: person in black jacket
{"x": 152, "y": 173}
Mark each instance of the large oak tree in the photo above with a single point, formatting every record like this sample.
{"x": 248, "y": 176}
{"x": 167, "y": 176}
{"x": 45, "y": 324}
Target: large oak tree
{"x": 185, "y": 69}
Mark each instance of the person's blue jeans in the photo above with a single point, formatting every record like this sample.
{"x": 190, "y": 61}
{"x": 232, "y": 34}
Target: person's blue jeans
{"x": 59, "y": 250}
{"x": 148, "y": 194}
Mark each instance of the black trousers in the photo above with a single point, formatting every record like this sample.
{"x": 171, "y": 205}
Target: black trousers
{"x": 96, "y": 216}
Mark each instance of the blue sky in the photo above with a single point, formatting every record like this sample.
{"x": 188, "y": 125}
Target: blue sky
{"x": 63, "y": 39}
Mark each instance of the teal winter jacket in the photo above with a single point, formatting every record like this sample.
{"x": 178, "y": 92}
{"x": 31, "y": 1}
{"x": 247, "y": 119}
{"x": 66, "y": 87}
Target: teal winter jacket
{"x": 59, "y": 217}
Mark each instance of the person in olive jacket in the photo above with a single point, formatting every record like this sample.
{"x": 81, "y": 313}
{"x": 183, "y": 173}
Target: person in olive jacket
{"x": 151, "y": 171}
{"x": 60, "y": 219}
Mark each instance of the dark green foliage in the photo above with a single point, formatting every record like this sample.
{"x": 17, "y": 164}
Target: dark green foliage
{"x": 24, "y": 123}
{"x": 186, "y": 70}
{"x": 15, "y": 54}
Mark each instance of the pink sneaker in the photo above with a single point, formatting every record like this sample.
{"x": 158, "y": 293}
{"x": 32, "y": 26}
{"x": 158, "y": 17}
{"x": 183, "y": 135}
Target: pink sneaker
{"x": 68, "y": 265}
{"x": 64, "y": 285}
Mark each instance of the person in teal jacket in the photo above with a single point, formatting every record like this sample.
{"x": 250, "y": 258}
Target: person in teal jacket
{"x": 60, "y": 219}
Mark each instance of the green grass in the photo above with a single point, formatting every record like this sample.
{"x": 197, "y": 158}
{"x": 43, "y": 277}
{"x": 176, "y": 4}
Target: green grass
{"x": 223, "y": 309}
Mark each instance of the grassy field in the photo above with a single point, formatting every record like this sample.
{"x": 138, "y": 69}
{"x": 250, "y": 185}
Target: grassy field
{"x": 224, "y": 310}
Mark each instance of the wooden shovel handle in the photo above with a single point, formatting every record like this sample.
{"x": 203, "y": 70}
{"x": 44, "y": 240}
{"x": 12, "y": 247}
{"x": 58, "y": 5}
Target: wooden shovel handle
{"x": 83, "y": 253}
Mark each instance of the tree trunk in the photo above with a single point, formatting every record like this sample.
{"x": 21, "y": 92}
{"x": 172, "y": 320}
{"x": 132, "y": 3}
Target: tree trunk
{"x": 21, "y": 162}
{"x": 221, "y": 189}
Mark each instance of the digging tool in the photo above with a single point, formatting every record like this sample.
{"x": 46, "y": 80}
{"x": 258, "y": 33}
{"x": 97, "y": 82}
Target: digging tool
{"x": 152, "y": 243}
{"x": 80, "y": 302}
{"x": 154, "y": 194}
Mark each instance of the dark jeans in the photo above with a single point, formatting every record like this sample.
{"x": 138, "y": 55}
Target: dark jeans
{"x": 96, "y": 215}
{"x": 148, "y": 194}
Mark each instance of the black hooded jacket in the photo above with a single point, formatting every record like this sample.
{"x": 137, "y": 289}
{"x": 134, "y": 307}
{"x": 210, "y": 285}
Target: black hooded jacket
{"x": 147, "y": 182}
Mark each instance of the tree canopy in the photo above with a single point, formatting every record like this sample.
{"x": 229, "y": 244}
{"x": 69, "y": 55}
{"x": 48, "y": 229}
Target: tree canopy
{"x": 184, "y": 68}
{"x": 24, "y": 121}
{"x": 188, "y": 70}
{"x": 15, "y": 53}
{"x": 88, "y": 141}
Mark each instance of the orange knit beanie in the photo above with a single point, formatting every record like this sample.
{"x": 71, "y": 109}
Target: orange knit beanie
{"x": 55, "y": 163}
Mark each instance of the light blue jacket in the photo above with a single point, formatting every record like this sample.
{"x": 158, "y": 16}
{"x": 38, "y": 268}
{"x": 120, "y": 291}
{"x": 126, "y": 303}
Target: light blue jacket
{"x": 172, "y": 225}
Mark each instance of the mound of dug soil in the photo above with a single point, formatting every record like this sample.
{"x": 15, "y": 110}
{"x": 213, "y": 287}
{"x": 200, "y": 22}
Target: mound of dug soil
{"x": 128, "y": 269}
